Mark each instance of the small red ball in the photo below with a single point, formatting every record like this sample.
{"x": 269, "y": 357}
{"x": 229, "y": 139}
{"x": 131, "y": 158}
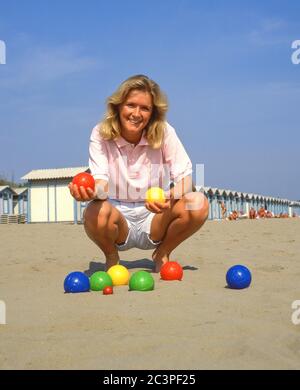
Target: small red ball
{"x": 171, "y": 271}
{"x": 108, "y": 290}
{"x": 85, "y": 180}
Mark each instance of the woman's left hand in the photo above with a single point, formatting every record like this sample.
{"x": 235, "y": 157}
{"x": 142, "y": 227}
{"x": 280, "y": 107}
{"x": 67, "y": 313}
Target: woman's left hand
{"x": 158, "y": 207}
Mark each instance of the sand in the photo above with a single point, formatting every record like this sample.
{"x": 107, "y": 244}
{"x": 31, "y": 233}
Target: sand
{"x": 197, "y": 323}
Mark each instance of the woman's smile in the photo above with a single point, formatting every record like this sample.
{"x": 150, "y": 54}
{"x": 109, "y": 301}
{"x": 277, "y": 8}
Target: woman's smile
{"x": 135, "y": 114}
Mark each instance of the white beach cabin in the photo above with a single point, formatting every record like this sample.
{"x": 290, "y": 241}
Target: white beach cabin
{"x": 49, "y": 198}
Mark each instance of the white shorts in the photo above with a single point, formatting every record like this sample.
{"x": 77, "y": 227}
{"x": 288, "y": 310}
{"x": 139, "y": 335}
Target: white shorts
{"x": 139, "y": 220}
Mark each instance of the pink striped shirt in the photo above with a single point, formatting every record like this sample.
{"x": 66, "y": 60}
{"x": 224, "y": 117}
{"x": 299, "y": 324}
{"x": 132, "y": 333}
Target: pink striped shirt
{"x": 130, "y": 170}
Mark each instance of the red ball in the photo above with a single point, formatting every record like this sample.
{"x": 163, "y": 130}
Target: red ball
{"x": 171, "y": 271}
{"x": 85, "y": 180}
{"x": 108, "y": 290}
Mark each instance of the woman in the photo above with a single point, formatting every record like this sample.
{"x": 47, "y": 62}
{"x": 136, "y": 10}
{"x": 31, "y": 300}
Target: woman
{"x": 132, "y": 149}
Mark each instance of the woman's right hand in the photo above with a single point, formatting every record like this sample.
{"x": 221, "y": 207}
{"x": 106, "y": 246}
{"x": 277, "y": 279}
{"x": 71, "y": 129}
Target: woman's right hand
{"x": 81, "y": 194}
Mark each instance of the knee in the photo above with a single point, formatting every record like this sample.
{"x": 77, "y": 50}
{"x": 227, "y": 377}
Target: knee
{"x": 96, "y": 214}
{"x": 196, "y": 206}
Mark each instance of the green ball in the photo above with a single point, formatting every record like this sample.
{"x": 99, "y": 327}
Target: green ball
{"x": 99, "y": 280}
{"x": 141, "y": 281}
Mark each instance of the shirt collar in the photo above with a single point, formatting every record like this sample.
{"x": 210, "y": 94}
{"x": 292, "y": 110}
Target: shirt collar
{"x": 120, "y": 141}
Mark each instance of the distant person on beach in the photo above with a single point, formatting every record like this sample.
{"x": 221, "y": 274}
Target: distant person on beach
{"x": 129, "y": 150}
{"x": 233, "y": 216}
{"x": 261, "y": 212}
{"x": 223, "y": 209}
{"x": 252, "y": 213}
{"x": 283, "y": 215}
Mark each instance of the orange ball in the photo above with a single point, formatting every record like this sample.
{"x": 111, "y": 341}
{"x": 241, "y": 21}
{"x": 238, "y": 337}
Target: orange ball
{"x": 171, "y": 271}
{"x": 85, "y": 180}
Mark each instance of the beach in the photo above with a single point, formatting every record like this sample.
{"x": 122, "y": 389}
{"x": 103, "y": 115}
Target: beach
{"x": 196, "y": 323}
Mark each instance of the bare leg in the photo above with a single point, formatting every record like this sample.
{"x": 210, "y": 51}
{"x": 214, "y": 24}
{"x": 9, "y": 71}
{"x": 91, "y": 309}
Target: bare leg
{"x": 175, "y": 225}
{"x": 105, "y": 226}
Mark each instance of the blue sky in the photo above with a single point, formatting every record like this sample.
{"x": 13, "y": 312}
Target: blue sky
{"x": 225, "y": 66}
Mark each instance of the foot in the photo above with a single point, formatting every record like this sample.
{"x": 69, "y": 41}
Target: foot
{"x": 159, "y": 258}
{"x": 111, "y": 260}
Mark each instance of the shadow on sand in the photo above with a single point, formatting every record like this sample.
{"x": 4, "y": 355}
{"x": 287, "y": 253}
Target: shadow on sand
{"x": 145, "y": 264}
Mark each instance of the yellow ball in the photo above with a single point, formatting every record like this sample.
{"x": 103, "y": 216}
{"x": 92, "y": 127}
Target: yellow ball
{"x": 155, "y": 194}
{"x": 119, "y": 274}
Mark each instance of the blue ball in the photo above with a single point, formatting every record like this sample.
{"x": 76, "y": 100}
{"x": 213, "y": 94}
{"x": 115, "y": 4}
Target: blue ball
{"x": 76, "y": 282}
{"x": 238, "y": 277}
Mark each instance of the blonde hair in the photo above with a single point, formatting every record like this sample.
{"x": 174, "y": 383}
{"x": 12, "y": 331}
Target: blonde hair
{"x": 110, "y": 127}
